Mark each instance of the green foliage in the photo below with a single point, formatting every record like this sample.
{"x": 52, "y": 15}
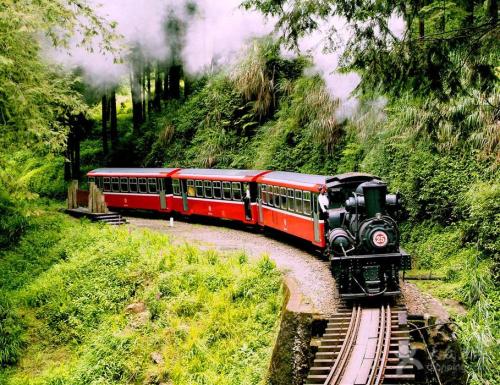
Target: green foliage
{"x": 11, "y": 331}
{"x": 13, "y": 222}
{"x": 482, "y": 203}
{"x": 211, "y": 316}
{"x": 35, "y": 102}
{"x": 443, "y": 39}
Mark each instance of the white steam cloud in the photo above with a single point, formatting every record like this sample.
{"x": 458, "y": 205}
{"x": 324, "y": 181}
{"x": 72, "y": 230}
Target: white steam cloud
{"x": 139, "y": 23}
{"x": 326, "y": 62}
{"x": 214, "y": 36}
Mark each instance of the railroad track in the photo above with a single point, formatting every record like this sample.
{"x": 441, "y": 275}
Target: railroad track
{"x": 364, "y": 345}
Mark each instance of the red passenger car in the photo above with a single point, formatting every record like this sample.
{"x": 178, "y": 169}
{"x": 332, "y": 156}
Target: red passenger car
{"x": 227, "y": 194}
{"x": 135, "y": 188}
{"x": 288, "y": 202}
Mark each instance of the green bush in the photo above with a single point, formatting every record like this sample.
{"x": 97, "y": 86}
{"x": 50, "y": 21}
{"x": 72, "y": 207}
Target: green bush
{"x": 11, "y": 332}
{"x": 13, "y": 222}
{"x": 482, "y": 204}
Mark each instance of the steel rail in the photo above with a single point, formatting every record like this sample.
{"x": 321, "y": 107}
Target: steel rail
{"x": 378, "y": 353}
{"x": 338, "y": 367}
{"x": 385, "y": 355}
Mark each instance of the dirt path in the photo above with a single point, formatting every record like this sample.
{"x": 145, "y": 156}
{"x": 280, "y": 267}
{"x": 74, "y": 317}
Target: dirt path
{"x": 312, "y": 275}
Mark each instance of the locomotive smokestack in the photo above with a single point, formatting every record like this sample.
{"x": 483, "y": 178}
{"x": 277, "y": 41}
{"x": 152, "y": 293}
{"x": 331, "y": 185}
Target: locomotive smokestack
{"x": 374, "y": 194}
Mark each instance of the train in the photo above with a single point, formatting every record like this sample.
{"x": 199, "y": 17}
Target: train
{"x": 349, "y": 217}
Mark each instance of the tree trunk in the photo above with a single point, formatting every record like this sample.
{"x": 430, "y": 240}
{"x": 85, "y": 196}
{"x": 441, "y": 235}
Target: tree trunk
{"x": 188, "y": 86}
{"x": 135, "y": 88}
{"x": 143, "y": 93}
{"x": 166, "y": 87}
{"x": 492, "y": 11}
{"x": 158, "y": 89}
{"x": 148, "y": 85}
{"x": 76, "y": 152}
{"x": 421, "y": 21}
{"x": 105, "y": 148}
{"x": 69, "y": 157}
{"x": 469, "y": 17}
{"x": 174, "y": 81}
{"x": 113, "y": 119}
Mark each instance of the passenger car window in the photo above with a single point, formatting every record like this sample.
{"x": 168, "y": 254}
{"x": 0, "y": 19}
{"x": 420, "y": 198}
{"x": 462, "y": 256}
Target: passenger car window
{"x": 91, "y": 179}
{"x": 291, "y": 200}
{"x": 176, "y": 186}
{"x": 143, "y": 187}
{"x": 217, "y": 190}
{"x": 124, "y": 184}
{"x": 236, "y": 191}
{"x": 226, "y": 187}
{"x": 298, "y": 201}
{"x": 199, "y": 188}
{"x": 276, "y": 196}
{"x": 115, "y": 184}
{"x": 263, "y": 194}
{"x": 270, "y": 195}
{"x": 107, "y": 184}
{"x": 207, "y": 186}
{"x": 307, "y": 202}
{"x": 283, "y": 198}
{"x": 152, "y": 187}
{"x": 132, "y": 184}
{"x": 191, "y": 190}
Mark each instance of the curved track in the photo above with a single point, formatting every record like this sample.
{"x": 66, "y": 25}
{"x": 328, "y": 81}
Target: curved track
{"x": 364, "y": 345}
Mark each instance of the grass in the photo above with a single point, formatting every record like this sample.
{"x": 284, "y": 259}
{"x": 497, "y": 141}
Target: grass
{"x": 210, "y": 318}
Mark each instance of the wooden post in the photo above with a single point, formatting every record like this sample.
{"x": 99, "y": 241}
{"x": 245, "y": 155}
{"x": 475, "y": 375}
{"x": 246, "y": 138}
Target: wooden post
{"x": 97, "y": 204}
{"x": 72, "y": 201}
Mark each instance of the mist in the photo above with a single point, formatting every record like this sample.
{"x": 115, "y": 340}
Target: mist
{"x": 213, "y": 37}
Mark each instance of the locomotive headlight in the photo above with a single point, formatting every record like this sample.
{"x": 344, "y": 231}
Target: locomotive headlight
{"x": 380, "y": 239}
{"x": 376, "y": 234}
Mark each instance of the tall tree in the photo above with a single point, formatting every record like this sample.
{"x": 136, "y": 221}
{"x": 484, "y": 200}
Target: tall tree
{"x": 113, "y": 119}
{"x": 148, "y": 90}
{"x": 104, "y": 123}
{"x": 174, "y": 77}
{"x": 421, "y": 20}
{"x": 136, "y": 90}
{"x": 158, "y": 88}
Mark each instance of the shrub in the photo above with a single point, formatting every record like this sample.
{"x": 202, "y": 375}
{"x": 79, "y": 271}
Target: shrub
{"x": 11, "y": 332}
{"x": 13, "y": 222}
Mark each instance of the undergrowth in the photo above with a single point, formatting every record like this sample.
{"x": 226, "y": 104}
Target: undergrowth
{"x": 209, "y": 318}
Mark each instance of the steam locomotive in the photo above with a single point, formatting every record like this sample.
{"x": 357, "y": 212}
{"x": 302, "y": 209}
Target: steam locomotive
{"x": 357, "y": 231}
{"x": 363, "y": 239}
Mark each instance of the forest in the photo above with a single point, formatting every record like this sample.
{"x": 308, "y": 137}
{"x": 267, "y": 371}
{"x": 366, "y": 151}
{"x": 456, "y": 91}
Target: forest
{"x": 423, "y": 113}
